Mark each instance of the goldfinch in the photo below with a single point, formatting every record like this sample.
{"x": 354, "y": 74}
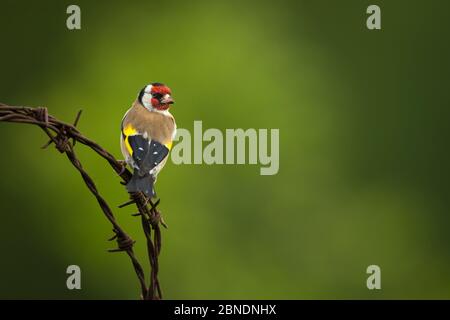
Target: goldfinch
{"x": 147, "y": 132}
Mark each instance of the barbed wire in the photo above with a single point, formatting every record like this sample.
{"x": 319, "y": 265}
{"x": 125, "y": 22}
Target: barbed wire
{"x": 64, "y": 136}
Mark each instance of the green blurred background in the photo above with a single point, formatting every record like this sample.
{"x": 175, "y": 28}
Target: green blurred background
{"x": 363, "y": 118}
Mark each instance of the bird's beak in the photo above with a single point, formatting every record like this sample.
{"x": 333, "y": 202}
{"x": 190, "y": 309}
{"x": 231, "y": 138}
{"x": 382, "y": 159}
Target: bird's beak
{"x": 167, "y": 100}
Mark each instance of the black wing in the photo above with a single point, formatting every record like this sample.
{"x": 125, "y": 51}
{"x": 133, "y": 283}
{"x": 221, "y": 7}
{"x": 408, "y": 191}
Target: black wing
{"x": 146, "y": 154}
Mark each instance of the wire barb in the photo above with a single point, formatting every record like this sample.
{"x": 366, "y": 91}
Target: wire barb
{"x": 126, "y": 204}
{"x": 61, "y": 134}
{"x": 75, "y": 123}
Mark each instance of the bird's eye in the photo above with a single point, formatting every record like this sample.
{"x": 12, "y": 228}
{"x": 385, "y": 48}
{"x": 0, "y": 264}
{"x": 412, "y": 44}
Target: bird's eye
{"x": 157, "y": 95}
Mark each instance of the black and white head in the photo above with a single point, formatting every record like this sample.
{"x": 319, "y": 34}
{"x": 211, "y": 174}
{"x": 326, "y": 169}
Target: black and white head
{"x": 156, "y": 97}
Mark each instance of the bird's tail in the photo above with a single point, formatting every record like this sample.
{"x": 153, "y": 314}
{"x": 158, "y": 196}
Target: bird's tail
{"x": 142, "y": 184}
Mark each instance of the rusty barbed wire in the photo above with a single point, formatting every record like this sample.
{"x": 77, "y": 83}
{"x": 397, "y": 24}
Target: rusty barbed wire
{"x": 64, "y": 136}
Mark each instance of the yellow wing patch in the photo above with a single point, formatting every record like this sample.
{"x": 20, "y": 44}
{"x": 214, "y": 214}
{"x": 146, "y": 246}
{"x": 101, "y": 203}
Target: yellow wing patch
{"x": 168, "y": 145}
{"x": 128, "y": 131}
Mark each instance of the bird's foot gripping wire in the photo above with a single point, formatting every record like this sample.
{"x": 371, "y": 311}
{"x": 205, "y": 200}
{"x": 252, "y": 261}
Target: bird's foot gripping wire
{"x": 123, "y": 164}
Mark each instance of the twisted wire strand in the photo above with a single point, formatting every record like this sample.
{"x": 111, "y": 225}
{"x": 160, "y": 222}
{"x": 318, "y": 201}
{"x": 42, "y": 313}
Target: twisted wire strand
{"x": 64, "y": 136}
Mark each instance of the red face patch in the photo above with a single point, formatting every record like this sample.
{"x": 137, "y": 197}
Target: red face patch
{"x": 155, "y": 102}
{"x": 161, "y": 89}
{"x": 158, "y": 105}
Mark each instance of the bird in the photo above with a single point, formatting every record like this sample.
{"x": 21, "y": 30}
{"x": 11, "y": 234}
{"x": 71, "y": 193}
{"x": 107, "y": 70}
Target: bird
{"x": 147, "y": 132}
